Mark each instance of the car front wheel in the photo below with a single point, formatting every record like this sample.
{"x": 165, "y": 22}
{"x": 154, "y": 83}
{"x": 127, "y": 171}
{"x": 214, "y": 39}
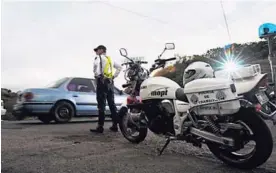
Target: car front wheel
{"x": 63, "y": 112}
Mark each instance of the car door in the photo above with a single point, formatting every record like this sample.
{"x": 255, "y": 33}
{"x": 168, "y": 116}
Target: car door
{"x": 120, "y": 97}
{"x": 83, "y": 92}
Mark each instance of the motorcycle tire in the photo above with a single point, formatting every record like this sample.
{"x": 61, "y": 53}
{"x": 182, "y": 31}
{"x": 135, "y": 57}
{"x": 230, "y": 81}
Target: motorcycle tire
{"x": 261, "y": 136}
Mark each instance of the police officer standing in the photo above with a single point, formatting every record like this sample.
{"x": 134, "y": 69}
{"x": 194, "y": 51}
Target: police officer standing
{"x": 104, "y": 75}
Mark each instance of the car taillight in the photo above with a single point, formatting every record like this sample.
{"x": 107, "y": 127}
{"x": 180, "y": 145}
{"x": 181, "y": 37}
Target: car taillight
{"x": 263, "y": 82}
{"x": 28, "y": 96}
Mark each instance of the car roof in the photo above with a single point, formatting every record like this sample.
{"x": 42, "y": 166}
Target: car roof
{"x": 89, "y": 79}
{"x": 81, "y": 78}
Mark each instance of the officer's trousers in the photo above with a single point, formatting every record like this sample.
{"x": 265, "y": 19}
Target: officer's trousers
{"x": 105, "y": 92}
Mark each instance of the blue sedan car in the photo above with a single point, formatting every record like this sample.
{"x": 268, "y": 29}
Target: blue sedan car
{"x": 66, "y": 98}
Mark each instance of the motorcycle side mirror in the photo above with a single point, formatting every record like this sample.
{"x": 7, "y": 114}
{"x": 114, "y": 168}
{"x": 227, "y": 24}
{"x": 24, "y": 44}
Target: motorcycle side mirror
{"x": 169, "y": 46}
{"x": 123, "y": 52}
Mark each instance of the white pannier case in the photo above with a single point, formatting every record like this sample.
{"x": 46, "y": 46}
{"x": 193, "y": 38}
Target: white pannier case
{"x": 245, "y": 71}
{"x": 201, "y": 93}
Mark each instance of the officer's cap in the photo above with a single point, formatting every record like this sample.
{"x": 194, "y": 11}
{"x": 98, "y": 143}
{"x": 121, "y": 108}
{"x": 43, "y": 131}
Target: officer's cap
{"x": 100, "y": 47}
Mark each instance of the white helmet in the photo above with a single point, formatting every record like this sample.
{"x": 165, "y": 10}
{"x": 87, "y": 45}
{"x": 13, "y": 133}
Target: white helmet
{"x": 197, "y": 70}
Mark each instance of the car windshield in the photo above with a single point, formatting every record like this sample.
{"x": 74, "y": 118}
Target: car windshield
{"x": 57, "y": 83}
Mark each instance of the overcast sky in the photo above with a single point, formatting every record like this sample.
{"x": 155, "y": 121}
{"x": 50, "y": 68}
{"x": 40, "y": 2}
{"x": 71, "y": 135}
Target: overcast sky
{"x": 44, "y": 41}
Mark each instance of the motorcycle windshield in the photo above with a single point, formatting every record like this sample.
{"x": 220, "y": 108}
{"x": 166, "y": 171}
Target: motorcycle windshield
{"x": 168, "y": 69}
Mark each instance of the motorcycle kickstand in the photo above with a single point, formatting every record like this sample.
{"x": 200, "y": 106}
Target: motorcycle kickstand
{"x": 166, "y": 144}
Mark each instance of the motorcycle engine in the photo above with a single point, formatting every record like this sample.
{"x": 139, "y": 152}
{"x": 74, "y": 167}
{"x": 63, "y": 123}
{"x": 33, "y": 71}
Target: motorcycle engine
{"x": 160, "y": 119}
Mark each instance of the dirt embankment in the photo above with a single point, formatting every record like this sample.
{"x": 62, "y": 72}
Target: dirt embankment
{"x": 9, "y": 99}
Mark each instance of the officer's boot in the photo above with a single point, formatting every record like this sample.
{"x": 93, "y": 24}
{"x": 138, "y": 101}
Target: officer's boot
{"x": 99, "y": 129}
{"x": 114, "y": 127}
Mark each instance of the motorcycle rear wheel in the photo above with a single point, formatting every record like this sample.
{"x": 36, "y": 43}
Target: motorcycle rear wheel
{"x": 261, "y": 136}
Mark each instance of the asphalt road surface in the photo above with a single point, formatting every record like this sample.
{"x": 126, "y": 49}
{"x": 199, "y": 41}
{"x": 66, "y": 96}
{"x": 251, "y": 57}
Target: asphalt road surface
{"x": 32, "y": 147}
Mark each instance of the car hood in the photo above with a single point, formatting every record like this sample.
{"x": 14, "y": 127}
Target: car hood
{"x": 119, "y": 99}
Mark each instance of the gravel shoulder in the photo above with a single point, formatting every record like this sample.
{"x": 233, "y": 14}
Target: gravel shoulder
{"x": 32, "y": 147}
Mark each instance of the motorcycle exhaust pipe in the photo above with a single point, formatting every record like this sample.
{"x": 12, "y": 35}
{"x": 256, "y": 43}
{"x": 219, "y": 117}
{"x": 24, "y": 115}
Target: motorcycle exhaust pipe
{"x": 212, "y": 137}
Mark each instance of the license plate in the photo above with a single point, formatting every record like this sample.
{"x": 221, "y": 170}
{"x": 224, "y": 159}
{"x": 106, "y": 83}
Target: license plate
{"x": 262, "y": 98}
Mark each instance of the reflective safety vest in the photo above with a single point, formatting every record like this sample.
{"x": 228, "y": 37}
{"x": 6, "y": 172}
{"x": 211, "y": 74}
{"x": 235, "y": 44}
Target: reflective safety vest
{"x": 108, "y": 69}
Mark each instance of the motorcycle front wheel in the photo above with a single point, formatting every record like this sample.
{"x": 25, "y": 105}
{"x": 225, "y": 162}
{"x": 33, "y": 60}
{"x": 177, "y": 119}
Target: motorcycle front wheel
{"x": 258, "y": 133}
{"x": 132, "y": 131}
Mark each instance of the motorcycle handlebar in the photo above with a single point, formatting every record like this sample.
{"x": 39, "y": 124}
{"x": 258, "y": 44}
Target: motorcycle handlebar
{"x": 160, "y": 63}
{"x": 127, "y": 63}
{"x": 164, "y": 60}
{"x": 170, "y": 59}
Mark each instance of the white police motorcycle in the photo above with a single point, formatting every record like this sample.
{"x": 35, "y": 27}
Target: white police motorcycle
{"x": 206, "y": 111}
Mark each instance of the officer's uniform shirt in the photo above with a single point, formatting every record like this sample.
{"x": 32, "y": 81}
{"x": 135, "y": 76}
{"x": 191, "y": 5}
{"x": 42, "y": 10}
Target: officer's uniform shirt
{"x": 99, "y": 69}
